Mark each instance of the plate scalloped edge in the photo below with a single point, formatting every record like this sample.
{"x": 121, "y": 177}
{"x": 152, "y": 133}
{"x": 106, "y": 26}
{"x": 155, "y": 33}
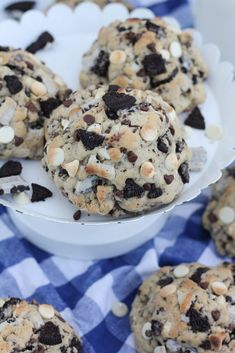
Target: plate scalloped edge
{"x": 220, "y": 79}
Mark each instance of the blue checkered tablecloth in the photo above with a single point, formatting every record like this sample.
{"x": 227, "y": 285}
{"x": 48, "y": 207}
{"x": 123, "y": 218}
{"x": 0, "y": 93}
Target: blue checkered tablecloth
{"x": 85, "y": 291}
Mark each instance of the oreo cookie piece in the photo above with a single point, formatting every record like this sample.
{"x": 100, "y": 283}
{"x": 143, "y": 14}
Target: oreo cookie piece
{"x": 118, "y": 101}
{"x": 196, "y": 120}
{"x": 89, "y": 139}
{"x": 10, "y": 168}
{"x": 40, "y": 43}
{"x": 40, "y": 193}
{"x": 154, "y": 64}
{"x": 20, "y": 6}
{"x": 13, "y": 84}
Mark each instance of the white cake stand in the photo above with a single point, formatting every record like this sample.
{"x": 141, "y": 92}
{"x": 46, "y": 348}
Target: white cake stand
{"x": 49, "y": 224}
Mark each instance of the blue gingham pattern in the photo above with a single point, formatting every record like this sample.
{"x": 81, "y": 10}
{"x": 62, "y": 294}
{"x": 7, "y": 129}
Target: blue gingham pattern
{"x": 85, "y": 291}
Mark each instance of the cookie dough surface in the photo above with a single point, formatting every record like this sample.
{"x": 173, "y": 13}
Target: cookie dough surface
{"x": 31, "y": 327}
{"x": 120, "y": 150}
{"x": 186, "y": 309}
{"x": 219, "y": 216}
{"x": 148, "y": 54}
{"x": 100, "y": 3}
{"x": 29, "y": 91}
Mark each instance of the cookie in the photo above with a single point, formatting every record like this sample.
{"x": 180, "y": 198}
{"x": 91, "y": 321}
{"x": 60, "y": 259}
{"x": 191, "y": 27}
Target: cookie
{"x": 100, "y": 3}
{"x": 29, "y": 91}
{"x": 122, "y": 149}
{"x": 186, "y": 309}
{"x": 31, "y": 327}
{"x": 148, "y": 54}
{"x": 219, "y": 216}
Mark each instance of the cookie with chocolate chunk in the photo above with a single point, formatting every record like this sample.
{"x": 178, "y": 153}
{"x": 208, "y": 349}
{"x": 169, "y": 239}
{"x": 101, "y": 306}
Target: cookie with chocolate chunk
{"x": 148, "y": 54}
{"x": 111, "y": 149}
{"x": 187, "y": 309}
{"x": 219, "y": 216}
{"x": 32, "y": 327}
{"x": 29, "y": 92}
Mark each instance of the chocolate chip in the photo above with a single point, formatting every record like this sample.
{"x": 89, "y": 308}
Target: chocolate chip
{"x": 154, "y": 64}
{"x": 132, "y": 189}
{"x": 156, "y": 327}
{"x": 89, "y": 139}
{"x": 133, "y": 37}
{"x": 132, "y": 157}
{"x": 40, "y": 193}
{"x": 162, "y": 146}
{"x": 49, "y": 105}
{"x": 77, "y": 215}
{"x": 31, "y": 107}
{"x": 168, "y": 179}
{"x": 196, "y": 277}
{"x": 172, "y": 130}
{"x": 141, "y": 73}
{"x": 155, "y": 28}
{"x": 67, "y": 102}
{"x": 101, "y": 64}
{"x": 155, "y": 84}
{"x": 89, "y": 119}
{"x": 13, "y": 84}
{"x": 10, "y": 168}
{"x": 215, "y": 314}
{"x": 21, "y": 6}
{"x": 153, "y": 194}
{"x": 39, "y": 349}
{"x": 144, "y": 107}
{"x": 152, "y": 47}
{"x": 50, "y": 334}
{"x": 212, "y": 217}
{"x": 148, "y": 186}
{"x": 118, "y": 101}
{"x": 40, "y": 42}
{"x": 196, "y": 120}
{"x": 198, "y": 322}
{"x": 165, "y": 281}
{"x": 195, "y": 79}
{"x": 184, "y": 172}
{"x": 205, "y": 345}
{"x": 204, "y": 285}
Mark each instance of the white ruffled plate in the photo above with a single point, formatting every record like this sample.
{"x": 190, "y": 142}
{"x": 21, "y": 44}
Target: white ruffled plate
{"x": 74, "y": 32}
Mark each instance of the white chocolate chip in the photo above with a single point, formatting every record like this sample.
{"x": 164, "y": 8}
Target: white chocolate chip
{"x": 103, "y": 154}
{"x": 117, "y": 57}
{"x": 180, "y": 296}
{"x": 219, "y": 288}
{"x": 148, "y": 132}
{"x": 119, "y": 309}
{"x": 65, "y": 123}
{"x": 21, "y": 198}
{"x": 175, "y": 49}
{"x": 172, "y": 115}
{"x": 181, "y": 271}
{"x": 227, "y": 215}
{"x": 171, "y": 162}
{"x": 147, "y": 170}
{"x": 7, "y": 134}
{"x": 47, "y": 311}
{"x": 71, "y": 167}
{"x": 165, "y": 54}
{"x": 7, "y": 111}
{"x": 146, "y": 331}
{"x": 166, "y": 328}
{"x": 38, "y": 88}
{"x": 160, "y": 349}
{"x": 214, "y": 132}
{"x": 167, "y": 290}
{"x": 55, "y": 156}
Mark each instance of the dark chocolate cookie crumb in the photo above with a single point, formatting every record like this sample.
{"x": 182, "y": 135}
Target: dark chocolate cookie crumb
{"x": 196, "y": 120}
{"x": 155, "y": 193}
{"x": 75, "y": 343}
{"x": 132, "y": 189}
{"x": 21, "y": 6}
{"x": 40, "y": 193}
{"x": 196, "y": 277}
{"x": 205, "y": 345}
{"x": 155, "y": 84}
{"x": 49, "y": 105}
{"x": 216, "y": 315}
{"x": 154, "y": 64}
{"x": 184, "y": 172}
{"x": 162, "y": 146}
{"x": 156, "y": 327}
{"x": 165, "y": 281}
{"x": 77, "y": 215}
{"x": 13, "y": 84}
{"x": 155, "y": 28}
{"x": 40, "y": 42}
{"x": 19, "y": 188}
{"x": 10, "y": 168}
{"x": 118, "y": 101}
{"x": 198, "y": 322}
{"x": 102, "y": 64}
{"x": 50, "y": 334}
{"x": 89, "y": 139}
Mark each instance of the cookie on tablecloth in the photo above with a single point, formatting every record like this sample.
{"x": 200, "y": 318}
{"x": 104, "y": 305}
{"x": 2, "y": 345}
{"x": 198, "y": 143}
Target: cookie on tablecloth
{"x": 219, "y": 216}
{"x": 29, "y": 91}
{"x": 148, "y": 54}
{"x": 31, "y": 327}
{"x": 186, "y": 309}
{"x": 122, "y": 149}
